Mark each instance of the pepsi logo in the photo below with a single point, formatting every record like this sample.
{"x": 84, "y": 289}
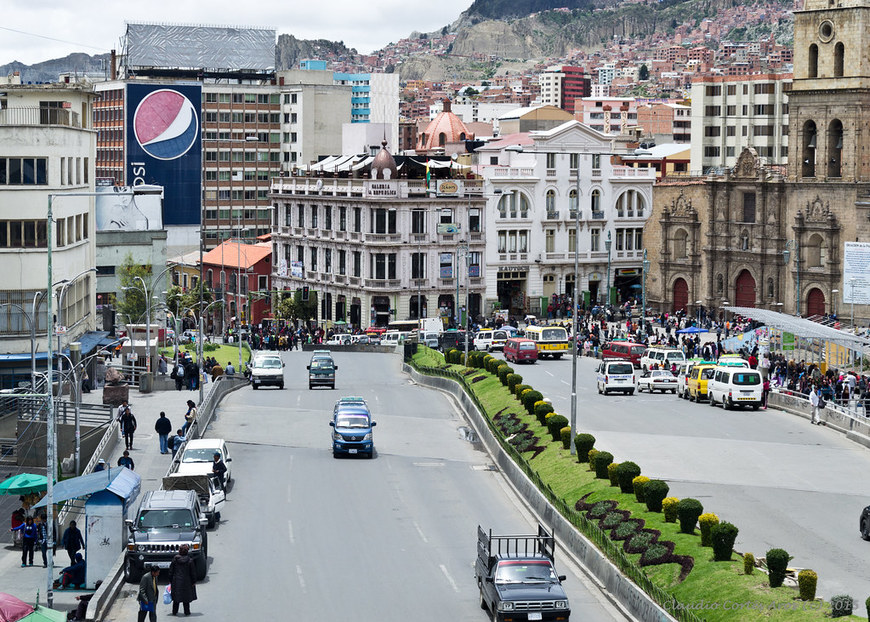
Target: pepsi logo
{"x": 165, "y": 124}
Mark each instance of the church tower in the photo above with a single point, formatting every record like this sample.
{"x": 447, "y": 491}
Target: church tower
{"x": 829, "y": 105}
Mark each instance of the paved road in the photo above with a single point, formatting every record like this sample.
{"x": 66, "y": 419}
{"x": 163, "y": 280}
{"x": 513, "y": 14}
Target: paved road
{"x": 389, "y": 538}
{"x": 783, "y": 482}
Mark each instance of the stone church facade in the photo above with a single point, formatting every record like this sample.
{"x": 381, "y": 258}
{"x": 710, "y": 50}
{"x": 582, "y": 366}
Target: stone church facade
{"x": 765, "y": 237}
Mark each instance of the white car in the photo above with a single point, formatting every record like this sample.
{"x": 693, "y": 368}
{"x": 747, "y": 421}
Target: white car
{"x": 663, "y": 358}
{"x": 340, "y": 339}
{"x": 616, "y": 375}
{"x": 657, "y": 380}
{"x": 735, "y": 386}
{"x": 198, "y": 455}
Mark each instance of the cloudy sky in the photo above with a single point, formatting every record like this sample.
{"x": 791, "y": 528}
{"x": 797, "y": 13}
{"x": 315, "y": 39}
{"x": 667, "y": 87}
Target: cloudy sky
{"x": 34, "y": 31}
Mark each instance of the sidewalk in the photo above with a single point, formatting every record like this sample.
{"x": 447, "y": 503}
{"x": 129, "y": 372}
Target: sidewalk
{"x": 30, "y": 583}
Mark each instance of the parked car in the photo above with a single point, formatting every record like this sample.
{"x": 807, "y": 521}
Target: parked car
{"x": 864, "y": 523}
{"x": 735, "y": 386}
{"x": 657, "y": 380}
{"x": 340, "y": 339}
{"x": 518, "y": 350}
{"x": 198, "y": 455}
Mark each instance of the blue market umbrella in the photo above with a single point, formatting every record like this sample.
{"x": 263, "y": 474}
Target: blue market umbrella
{"x": 692, "y": 330}
{"x": 23, "y": 484}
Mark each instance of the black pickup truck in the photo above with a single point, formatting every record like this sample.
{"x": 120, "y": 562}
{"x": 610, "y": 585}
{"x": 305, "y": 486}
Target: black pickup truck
{"x": 516, "y": 577}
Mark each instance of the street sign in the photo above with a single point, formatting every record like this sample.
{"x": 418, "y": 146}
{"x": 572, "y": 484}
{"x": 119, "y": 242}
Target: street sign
{"x": 448, "y": 228}
{"x": 60, "y": 330}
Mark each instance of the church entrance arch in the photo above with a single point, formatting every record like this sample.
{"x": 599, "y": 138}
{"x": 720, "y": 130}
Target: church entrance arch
{"x": 681, "y": 295}
{"x": 815, "y": 302}
{"x": 745, "y": 290}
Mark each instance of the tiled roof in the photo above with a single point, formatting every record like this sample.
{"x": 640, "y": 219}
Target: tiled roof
{"x": 233, "y": 254}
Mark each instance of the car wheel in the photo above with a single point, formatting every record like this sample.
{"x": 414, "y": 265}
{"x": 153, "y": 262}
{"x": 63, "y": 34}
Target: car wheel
{"x": 201, "y": 567}
{"x": 674, "y": 391}
{"x": 131, "y": 573}
{"x": 712, "y": 402}
{"x": 755, "y": 407}
{"x": 281, "y": 386}
{"x": 254, "y": 386}
{"x": 631, "y": 392}
{"x": 211, "y": 521}
{"x": 865, "y": 531}
{"x": 605, "y": 391}
{"x": 599, "y": 389}
{"x": 557, "y": 356}
{"x": 482, "y": 599}
{"x": 310, "y": 387}
{"x": 728, "y": 405}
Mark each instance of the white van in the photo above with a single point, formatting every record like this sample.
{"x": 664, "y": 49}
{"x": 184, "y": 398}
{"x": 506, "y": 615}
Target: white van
{"x": 391, "y": 338}
{"x": 616, "y": 375}
{"x": 663, "y": 357}
{"x": 735, "y": 386}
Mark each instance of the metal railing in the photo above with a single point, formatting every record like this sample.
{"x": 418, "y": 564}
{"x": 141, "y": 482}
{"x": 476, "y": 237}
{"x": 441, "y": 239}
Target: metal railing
{"x": 39, "y": 115}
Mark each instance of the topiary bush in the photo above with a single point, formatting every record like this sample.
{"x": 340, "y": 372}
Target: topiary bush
{"x": 542, "y": 409}
{"x": 490, "y": 362}
{"x": 452, "y": 356}
{"x": 748, "y": 563}
{"x": 688, "y": 511}
{"x": 512, "y": 381}
{"x": 841, "y": 606}
{"x": 529, "y": 400}
{"x": 626, "y": 472}
{"x": 722, "y": 538}
{"x": 583, "y": 442}
{"x": 565, "y": 435}
{"x": 706, "y": 522}
{"x": 807, "y": 581}
{"x": 654, "y": 493}
{"x": 612, "y": 474}
{"x": 777, "y": 564}
{"x": 600, "y": 462}
{"x": 519, "y": 390}
{"x": 503, "y": 372}
{"x": 591, "y": 455}
{"x": 867, "y": 607}
{"x": 638, "y": 484}
{"x": 669, "y": 505}
{"x": 462, "y": 359}
{"x": 555, "y": 423}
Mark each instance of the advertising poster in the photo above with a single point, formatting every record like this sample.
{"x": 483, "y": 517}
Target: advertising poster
{"x": 856, "y": 273}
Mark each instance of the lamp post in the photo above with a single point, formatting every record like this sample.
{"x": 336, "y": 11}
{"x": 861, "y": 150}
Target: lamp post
{"x": 792, "y": 245}
{"x": 607, "y": 244}
{"x": 643, "y": 293}
{"x": 834, "y": 293}
{"x": 698, "y": 304}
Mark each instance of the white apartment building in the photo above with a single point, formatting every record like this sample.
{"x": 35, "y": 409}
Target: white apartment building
{"x": 47, "y": 147}
{"x": 530, "y": 226}
{"x": 473, "y": 111}
{"x": 733, "y": 112}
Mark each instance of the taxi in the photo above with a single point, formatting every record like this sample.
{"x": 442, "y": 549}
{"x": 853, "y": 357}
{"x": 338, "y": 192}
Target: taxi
{"x": 696, "y": 385}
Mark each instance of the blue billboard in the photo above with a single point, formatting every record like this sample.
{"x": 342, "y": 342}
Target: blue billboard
{"x": 164, "y": 146}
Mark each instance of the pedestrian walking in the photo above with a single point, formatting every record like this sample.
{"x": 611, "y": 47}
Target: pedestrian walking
{"x": 128, "y": 426}
{"x": 126, "y": 461}
{"x": 42, "y": 538}
{"x": 182, "y": 579}
{"x": 815, "y": 398}
{"x": 101, "y": 465}
{"x": 189, "y": 416}
{"x": 72, "y": 541}
{"x": 219, "y": 470}
{"x": 147, "y": 596}
{"x": 178, "y": 376}
{"x": 28, "y": 541}
{"x": 163, "y": 427}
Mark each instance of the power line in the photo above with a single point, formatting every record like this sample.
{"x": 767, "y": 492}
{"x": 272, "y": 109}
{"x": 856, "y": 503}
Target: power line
{"x": 33, "y": 34}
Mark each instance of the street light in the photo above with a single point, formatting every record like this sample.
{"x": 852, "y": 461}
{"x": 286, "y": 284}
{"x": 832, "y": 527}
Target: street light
{"x": 852, "y": 321}
{"x": 834, "y": 293}
{"x": 698, "y": 304}
{"x": 607, "y": 245}
{"x": 792, "y": 245}
{"x": 643, "y": 295}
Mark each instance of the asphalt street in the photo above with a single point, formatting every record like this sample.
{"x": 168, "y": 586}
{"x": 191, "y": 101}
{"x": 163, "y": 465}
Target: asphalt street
{"x": 782, "y": 481}
{"x": 305, "y": 536}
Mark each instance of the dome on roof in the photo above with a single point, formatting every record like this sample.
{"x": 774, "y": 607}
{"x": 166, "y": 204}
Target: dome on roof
{"x": 444, "y": 128}
{"x": 384, "y": 164}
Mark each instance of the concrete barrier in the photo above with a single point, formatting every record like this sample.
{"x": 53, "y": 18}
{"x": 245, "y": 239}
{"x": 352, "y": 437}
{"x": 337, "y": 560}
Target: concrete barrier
{"x": 621, "y": 590}
{"x": 855, "y": 427}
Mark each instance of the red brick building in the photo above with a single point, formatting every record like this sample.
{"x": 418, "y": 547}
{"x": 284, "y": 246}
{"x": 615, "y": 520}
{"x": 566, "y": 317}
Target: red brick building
{"x": 240, "y": 274}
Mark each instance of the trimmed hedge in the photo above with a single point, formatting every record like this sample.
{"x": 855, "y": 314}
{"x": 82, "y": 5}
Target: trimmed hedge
{"x": 612, "y": 475}
{"x": 638, "y": 484}
{"x": 841, "y": 606}
{"x": 503, "y": 372}
{"x": 542, "y": 409}
{"x": 807, "y": 581}
{"x": 519, "y": 388}
{"x": 654, "y": 493}
{"x": 583, "y": 442}
{"x": 626, "y": 472}
{"x": 723, "y": 536}
{"x": 777, "y": 564}
{"x": 555, "y": 423}
{"x": 600, "y": 462}
{"x": 452, "y": 356}
{"x": 748, "y": 563}
{"x": 688, "y": 511}
{"x": 512, "y": 381}
{"x": 706, "y": 522}
{"x": 529, "y": 400}
{"x": 565, "y": 435}
{"x": 591, "y": 455}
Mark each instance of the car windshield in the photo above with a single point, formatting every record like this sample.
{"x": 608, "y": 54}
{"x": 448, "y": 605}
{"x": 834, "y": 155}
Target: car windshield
{"x": 165, "y": 519}
{"x": 747, "y": 378}
{"x": 554, "y": 334}
{"x": 620, "y": 368}
{"x": 676, "y": 356}
{"x": 268, "y": 363}
{"x": 199, "y": 454}
{"x": 352, "y": 421}
{"x": 513, "y": 572}
{"x": 321, "y": 364}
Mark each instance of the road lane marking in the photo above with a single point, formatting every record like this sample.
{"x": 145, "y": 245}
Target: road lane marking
{"x": 428, "y": 464}
{"x": 549, "y": 373}
{"x": 449, "y": 579}
{"x": 564, "y": 381}
{"x": 301, "y": 578}
{"x": 290, "y": 529}
{"x": 420, "y": 531}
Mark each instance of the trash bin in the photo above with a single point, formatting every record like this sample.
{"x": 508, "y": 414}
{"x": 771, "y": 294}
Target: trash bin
{"x": 146, "y": 382}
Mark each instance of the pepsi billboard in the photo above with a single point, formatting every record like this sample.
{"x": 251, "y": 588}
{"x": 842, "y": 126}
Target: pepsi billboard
{"x": 164, "y": 146}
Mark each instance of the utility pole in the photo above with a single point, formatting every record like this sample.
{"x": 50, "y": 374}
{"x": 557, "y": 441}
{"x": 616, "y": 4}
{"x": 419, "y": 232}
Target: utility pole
{"x": 50, "y": 458}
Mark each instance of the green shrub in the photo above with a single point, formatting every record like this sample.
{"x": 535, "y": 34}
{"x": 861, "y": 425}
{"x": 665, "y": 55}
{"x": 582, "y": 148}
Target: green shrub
{"x": 867, "y": 607}
{"x": 503, "y": 372}
{"x": 612, "y": 474}
{"x": 627, "y": 529}
{"x": 638, "y": 484}
{"x": 542, "y": 409}
{"x": 641, "y": 540}
{"x": 565, "y": 435}
{"x": 688, "y": 511}
{"x": 583, "y": 442}
{"x": 600, "y": 462}
{"x": 626, "y": 472}
{"x": 489, "y": 363}
{"x": 654, "y": 493}
{"x": 452, "y": 356}
{"x": 591, "y": 455}
{"x": 555, "y": 423}
{"x": 512, "y": 381}
{"x": 807, "y": 581}
{"x": 669, "y": 504}
{"x": 529, "y": 400}
{"x": 748, "y": 563}
{"x": 777, "y": 564}
{"x": 841, "y": 606}
{"x": 723, "y": 536}
{"x": 706, "y": 522}
{"x": 462, "y": 359}
{"x": 518, "y": 391}
{"x": 612, "y": 520}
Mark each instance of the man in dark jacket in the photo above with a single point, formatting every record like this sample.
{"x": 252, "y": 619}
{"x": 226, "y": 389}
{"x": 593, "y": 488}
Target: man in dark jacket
{"x": 182, "y": 578}
{"x": 147, "y": 596}
{"x": 219, "y": 470}
{"x": 163, "y": 427}
{"x": 72, "y": 541}
{"x": 128, "y": 426}
{"x": 74, "y": 574}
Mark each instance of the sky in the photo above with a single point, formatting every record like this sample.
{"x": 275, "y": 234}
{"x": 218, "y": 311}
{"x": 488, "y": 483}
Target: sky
{"x": 35, "y": 31}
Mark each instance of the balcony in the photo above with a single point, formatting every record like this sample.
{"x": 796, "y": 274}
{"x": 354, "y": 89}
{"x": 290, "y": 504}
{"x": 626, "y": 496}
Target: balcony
{"x": 383, "y": 283}
{"x": 597, "y": 215}
{"x": 37, "y": 115}
{"x": 555, "y": 256}
{"x": 596, "y": 173}
{"x": 551, "y": 215}
{"x": 383, "y": 238}
{"x": 506, "y": 173}
{"x": 627, "y": 173}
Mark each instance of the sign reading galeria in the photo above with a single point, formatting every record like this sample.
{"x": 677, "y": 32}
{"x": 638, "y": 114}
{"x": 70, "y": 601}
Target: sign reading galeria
{"x": 856, "y": 273}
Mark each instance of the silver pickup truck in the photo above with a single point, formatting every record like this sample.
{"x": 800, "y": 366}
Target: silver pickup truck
{"x": 211, "y": 497}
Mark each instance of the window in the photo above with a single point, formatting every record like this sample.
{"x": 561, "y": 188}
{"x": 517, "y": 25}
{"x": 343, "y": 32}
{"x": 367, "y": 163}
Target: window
{"x": 681, "y": 244}
{"x": 730, "y": 111}
{"x": 474, "y": 220}
{"x": 551, "y": 201}
{"x": 383, "y": 220}
{"x": 620, "y": 240}
{"x": 839, "y": 51}
{"x": 327, "y": 217}
{"x": 502, "y": 241}
{"x": 327, "y": 260}
{"x": 712, "y": 152}
{"x": 595, "y": 202}
{"x": 595, "y": 240}
{"x": 712, "y": 111}
{"x": 748, "y": 207}
{"x": 572, "y": 239}
{"x": 712, "y": 131}
{"x": 342, "y": 261}
{"x": 314, "y": 211}
{"x": 312, "y": 264}
{"x": 572, "y": 202}
{"x": 300, "y": 213}
{"x": 764, "y": 88}
{"x": 445, "y": 216}
{"x": 835, "y": 147}
{"x": 24, "y": 171}
{"x": 744, "y": 240}
{"x": 445, "y": 261}
{"x": 342, "y": 218}
{"x": 813, "y": 61}
{"x": 357, "y": 219}
{"x": 513, "y": 204}
{"x": 418, "y": 265}
{"x": 550, "y": 240}
{"x": 357, "y": 263}
{"x": 418, "y": 222}
{"x": 731, "y": 130}
{"x": 713, "y": 90}
{"x": 808, "y": 156}
{"x": 814, "y": 249}
{"x": 551, "y": 160}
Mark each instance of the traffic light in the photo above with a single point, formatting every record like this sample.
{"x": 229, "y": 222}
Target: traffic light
{"x": 304, "y": 293}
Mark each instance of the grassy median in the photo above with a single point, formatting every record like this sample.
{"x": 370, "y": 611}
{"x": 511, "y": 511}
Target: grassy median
{"x": 712, "y": 591}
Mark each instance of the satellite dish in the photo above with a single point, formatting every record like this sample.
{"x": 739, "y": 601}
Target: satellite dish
{"x": 319, "y": 185}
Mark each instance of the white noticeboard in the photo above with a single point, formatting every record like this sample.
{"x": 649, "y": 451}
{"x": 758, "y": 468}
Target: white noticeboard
{"x": 856, "y": 273}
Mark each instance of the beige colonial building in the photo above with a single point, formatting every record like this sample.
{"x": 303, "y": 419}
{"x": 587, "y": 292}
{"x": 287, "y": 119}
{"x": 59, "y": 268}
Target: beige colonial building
{"x": 760, "y": 236}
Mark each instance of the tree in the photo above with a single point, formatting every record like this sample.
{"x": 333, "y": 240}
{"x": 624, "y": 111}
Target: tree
{"x": 643, "y": 72}
{"x": 292, "y": 307}
{"x": 130, "y": 302}
{"x": 178, "y": 300}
